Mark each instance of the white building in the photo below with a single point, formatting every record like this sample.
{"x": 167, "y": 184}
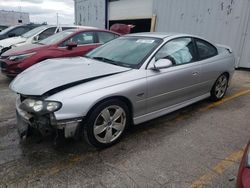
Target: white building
{"x": 9, "y": 18}
{"x": 226, "y": 21}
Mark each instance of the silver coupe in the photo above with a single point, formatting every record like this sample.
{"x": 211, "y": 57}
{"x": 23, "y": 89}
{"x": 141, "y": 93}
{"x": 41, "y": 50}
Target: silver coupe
{"x": 128, "y": 81}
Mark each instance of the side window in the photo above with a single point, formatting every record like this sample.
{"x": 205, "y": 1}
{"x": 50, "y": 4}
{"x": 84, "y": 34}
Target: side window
{"x": 179, "y": 51}
{"x": 65, "y": 28}
{"x": 205, "y": 49}
{"x": 106, "y": 37}
{"x": 46, "y": 33}
{"x": 81, "y": 39}
{"x": 18, "y": 31}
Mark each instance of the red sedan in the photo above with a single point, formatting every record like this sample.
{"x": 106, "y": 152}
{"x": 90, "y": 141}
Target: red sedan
{"x": 68, "y": 43}
{"x": 243, "y": 180}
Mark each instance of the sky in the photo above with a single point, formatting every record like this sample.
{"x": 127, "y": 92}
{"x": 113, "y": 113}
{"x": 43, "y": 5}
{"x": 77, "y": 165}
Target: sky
{"x": 43, "y": 10}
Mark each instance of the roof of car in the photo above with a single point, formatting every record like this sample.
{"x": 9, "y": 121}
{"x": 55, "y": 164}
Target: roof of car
{"x": 80, "y": 29}
{"x": 70, "y": 26}
{"x": 161, "y": 35}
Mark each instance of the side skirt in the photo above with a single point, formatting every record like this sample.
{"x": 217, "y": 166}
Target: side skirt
{"x": 164, "y": 111}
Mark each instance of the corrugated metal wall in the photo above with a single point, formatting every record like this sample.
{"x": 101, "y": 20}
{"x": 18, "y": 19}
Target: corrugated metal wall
{"x": 90, "y": 13}
{"x": 221, "y": 21}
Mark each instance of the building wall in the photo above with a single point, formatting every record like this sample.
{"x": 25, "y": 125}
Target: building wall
{"x": 221, "y": 21}
{"x": 130, "y": 9}
{"x": 9, "y": 18}
{"x": 90, "y": 13}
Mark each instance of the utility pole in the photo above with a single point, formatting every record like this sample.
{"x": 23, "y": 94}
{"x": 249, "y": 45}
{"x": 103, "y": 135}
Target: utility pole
{"x": 57, "y": 19}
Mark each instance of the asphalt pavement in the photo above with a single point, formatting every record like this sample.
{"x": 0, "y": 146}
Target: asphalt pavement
{"x": 198, "y": 146}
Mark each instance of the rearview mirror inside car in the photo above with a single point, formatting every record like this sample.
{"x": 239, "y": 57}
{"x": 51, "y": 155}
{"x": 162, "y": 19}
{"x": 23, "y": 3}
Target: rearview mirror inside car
{"x": 162, "y": 64}
{"x": 71, "y": 45}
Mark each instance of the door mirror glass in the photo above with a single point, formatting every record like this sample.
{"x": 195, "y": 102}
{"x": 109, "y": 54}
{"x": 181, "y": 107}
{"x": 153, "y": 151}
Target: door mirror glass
{"x": 162, "y": 64}
{"x": 70, "y": 45}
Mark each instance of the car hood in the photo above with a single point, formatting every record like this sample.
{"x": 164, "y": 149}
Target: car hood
{"x": 27, "y": 48}
{"x": 61, "y": 73}
{"x": 11, "y": 41}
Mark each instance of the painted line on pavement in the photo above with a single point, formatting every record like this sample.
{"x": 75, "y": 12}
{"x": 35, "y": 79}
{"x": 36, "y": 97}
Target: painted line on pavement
{"x": 228, "y": 98}
{"x": 228, "y": 161}
{"x": 218, "y": 169}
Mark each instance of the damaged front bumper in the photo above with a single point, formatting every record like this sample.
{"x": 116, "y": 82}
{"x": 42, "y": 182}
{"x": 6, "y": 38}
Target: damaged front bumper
{"x": 45, "y": 124}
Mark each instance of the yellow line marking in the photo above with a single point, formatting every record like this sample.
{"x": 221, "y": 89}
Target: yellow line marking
{"x": 228, "y": 161}
{"x": 238, "y": 94}
{"x": 218, "y": 169}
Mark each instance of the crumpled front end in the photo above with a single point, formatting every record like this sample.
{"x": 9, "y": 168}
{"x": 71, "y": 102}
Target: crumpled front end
{"x": 45, "y": 123}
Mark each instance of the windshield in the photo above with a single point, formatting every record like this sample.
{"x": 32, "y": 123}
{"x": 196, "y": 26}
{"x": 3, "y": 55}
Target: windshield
{"x": 56, "y": 37}
{"x": 34, "y": 32}
{"x": 7, "y": 30}
{"x": 125, "y": 51}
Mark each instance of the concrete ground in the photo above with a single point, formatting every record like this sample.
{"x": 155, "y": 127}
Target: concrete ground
{"x": 198, "y": 146}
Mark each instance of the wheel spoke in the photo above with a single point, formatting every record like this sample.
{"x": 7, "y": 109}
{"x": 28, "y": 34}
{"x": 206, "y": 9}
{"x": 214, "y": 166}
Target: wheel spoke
{"x": 224, "y": 82}
{"x": 117, "y": 114}
{"x": 118, "y": 126}
{"x": 100, "y": 128}
{"x": 217, "y": 88}
{"x": 106, "y": 115}
{"x": 219, "y": 94}
{"x": 108, "y": 135}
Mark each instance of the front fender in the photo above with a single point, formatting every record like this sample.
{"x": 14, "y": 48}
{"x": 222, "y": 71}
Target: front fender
{"x": 79, "y": 106}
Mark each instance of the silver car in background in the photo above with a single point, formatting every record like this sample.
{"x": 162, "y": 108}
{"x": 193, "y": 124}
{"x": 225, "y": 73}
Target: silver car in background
{"x": 127, "y": 81}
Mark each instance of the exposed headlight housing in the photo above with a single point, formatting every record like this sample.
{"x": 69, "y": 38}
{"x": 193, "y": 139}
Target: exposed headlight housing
{"x": 39, "y": 106}
{"x": 20, "y": 57}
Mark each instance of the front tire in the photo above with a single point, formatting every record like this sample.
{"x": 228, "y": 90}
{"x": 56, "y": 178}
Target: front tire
{"x": 107, "y": 123}
{"x": 220, "y": 87}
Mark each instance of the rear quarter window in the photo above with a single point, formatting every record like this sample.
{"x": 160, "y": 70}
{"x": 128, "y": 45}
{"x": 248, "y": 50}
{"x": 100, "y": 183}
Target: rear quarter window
{"x": 205, "y": 49}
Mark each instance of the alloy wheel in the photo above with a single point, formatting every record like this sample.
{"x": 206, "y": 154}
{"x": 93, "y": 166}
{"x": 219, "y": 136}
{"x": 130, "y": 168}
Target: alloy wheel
{"x": 109, "y": 124}
{"x": 221, "y": 86}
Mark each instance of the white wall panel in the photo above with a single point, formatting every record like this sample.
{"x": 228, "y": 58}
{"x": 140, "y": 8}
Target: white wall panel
{"x": 130, "y": 9}
{"x": 9, "y": 18}
{"x": 221, "y": 21}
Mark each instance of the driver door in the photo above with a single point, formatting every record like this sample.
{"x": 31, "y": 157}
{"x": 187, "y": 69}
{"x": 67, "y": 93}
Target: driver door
{"x": 85, "y": 42}
{"x": 178, "y": 83}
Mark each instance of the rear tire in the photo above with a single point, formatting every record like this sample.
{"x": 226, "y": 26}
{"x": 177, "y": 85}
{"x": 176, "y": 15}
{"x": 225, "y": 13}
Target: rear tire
{"x": 107, "y": 123}
{"x": 220, "y": 88}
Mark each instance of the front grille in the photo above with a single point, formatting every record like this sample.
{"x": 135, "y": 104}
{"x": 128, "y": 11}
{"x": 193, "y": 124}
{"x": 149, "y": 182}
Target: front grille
{"x": 4, "y": 57}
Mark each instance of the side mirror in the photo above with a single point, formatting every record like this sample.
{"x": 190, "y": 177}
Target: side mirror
{"x": 11, "y": 35}
{"x": 71, "y": 45}
{"x": 162, "y": 64}
{"x": 36, "y": 38}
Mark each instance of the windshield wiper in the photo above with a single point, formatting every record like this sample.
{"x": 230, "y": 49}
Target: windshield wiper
{"x": 110, "y": 61}
{"x": 107, "y": 60}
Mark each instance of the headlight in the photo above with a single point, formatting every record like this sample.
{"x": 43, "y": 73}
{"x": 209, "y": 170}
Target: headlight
{"x": 39, "y": 106}
{"x": 53, "y": 106}
{"x": 20, "y": 57}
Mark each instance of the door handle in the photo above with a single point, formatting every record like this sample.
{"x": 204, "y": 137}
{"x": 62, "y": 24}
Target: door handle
{"x": 195, "y": 73}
